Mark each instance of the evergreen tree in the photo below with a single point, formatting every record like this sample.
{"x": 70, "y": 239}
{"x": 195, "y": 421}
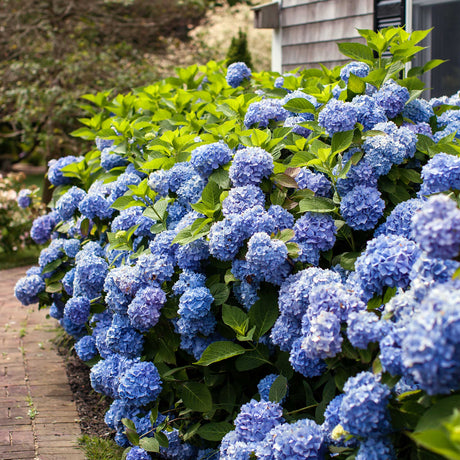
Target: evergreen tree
{"x": 238, "y": 50}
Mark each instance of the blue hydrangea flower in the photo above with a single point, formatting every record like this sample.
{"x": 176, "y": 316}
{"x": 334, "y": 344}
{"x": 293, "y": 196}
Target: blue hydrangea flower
{"x": 122, "y": 338}
{"x": 431, "y": 341}
{"x": 283, "y": 218}
{"x": 225, "y": 238}
{"x": 256, "y": 219}
{"x": 363, "y": 329}
{"x": 71, "y": 247}
{"x": 419, "y": 111}
{"x": 369, "y": 113}
{"x": 333, "y": 297}
{"x": 338, "y": 116}
{"x": 363, "y": 411}
{"x": 293, "y": 441}
{"x": 50, "y": 254}
{"x": 285, "y": 331}
{"x": 360, "y": 69}
{"x": 263, "y": 111}
{"x": 360, "y": 174}
{"x": 440, "y": 174}
{"x": 399, "y": 222}
{"x": 104, "y": 376}
{"x": 24, "y": 200}
{"x": 451, "y": 128}
{"x": 57, "y": 310}
{"x": 436, "y": 227}
{"x": 77, "y": 309}
{"x": 332, "y": 416}
{"x": 151, "y": 267}
{"x": 177, "y": 449}
{"x": 43, "y": 226}
{"x": 96, "y": 203}
{"x": 195, "y": 303}
{"x": 190, "y": 255}
{"x": 140, "y": 384}
{"x": 68, "y": 203}
{"x": 159, "y": 181}
{"x": 179, "y": 174}
{"x": 316, "y": 182}
{"x": 250, "y": 165}
{"x": 387, "y": 261}
{"x": 90, "y": 273}
{"x": 246, "y": 293}
{"x": 302, "y": 363}
{"x": 86, "y": 348}
{"x": 323, "y": 339}
{"x": 144, "y": 310}
{"x": 381, "y": 152}
{"x": 362, "y": 208}
{"x": 256, "y": 419}
{"x": 266, "y": 256}
{"x": 67, "y": 281}
{"x": 55, "y": 174}
{"x": 27, "y": 289}
{"x": 110, "y": 160}
{"x": 137, "y": 453}
{"x": 392, "y": 97}
{"x": 206, "y": 158}
{"x": 75, "y": 330}
{"x": 448, "y": 117}
{"x": 318, "y": 230}
{"x": 188, "y": 280}
{"x": 420, "y": 128}
{"x": 375, "y": 449}
{"x": 233, "y": 448}
{"x": 237, "y": 73}
{"x": 239, "y": 199}
{"x": 191, "y": 190}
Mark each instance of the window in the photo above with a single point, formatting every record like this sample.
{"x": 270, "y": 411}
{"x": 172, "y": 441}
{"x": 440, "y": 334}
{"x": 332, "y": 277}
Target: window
{"x": 442, "y": 43}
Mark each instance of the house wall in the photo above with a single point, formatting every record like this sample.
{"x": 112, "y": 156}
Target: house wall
{"x": 310, "y": 30}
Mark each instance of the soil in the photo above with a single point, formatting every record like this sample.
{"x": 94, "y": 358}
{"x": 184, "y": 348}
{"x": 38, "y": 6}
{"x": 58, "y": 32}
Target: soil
{"x": 91, "y": 406}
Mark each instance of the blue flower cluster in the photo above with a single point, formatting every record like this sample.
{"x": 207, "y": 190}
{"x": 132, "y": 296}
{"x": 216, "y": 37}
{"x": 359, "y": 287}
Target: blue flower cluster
{"x": 337, "y": 116}
{"x": 237, "y": 73}
{"x": 24, "y": 199}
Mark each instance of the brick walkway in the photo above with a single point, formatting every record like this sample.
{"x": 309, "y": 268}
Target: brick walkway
{"x": 38, "y": 418}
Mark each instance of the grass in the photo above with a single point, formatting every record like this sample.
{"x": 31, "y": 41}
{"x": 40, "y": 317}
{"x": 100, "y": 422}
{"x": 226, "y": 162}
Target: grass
{"x": 22, "y": 258}
{"x": 99, "y": 449}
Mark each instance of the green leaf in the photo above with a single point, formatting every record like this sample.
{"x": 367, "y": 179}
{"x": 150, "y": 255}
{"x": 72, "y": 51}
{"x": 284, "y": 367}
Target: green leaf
{"x": 356, "y": 84}
{"x": 214, "y": 431}
{"x": 436, "y": 414}
{"x": 149, "y": 444}
{"x": 124, "y": 202}
{"x": 196, "y": 396}
{"x": 317, "y": 204}
{"x": 128, "y": 423}
{"x": 54, "y": 287}
{"x": 235, "y": 318}
{"x": 438, "y": 441}
{"x": 357, "y": 51}
{"x": 286, "y": 235}
{"x": 278, "y": 389}
{"x": 220, "y": 292}
{"x": 285, "y": 181}
{"x": 341, "y": 141}
{"x": 264, "y": 312}
{"x": 219, "y": 351}
{"x": 162, "y": 439}
{"x": 253, "y": 359}
{"x": 220, "y": 177}
{"x": 348, "y": 259}
{"x": 211, "y": 194}
{"x": 299, "y": 105}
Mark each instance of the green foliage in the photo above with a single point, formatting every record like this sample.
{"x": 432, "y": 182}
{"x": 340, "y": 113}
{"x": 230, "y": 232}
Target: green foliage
{"x": 158, "y": 126}
{"x": 238, "y": 50}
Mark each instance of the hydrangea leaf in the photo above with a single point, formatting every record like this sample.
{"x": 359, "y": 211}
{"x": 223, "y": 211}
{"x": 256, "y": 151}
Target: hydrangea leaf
{"x": 219, "y": 351}
{"x": 278, "y": 389}
{"x": 196, "y": 396}
{"x": 215, "y": 431}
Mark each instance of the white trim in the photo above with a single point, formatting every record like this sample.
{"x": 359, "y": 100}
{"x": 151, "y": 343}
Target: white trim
{"x": 277, "y": 51}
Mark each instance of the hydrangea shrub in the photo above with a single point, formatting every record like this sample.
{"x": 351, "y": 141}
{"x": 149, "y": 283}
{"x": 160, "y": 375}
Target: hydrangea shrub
{"x": 268, "y": 270}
